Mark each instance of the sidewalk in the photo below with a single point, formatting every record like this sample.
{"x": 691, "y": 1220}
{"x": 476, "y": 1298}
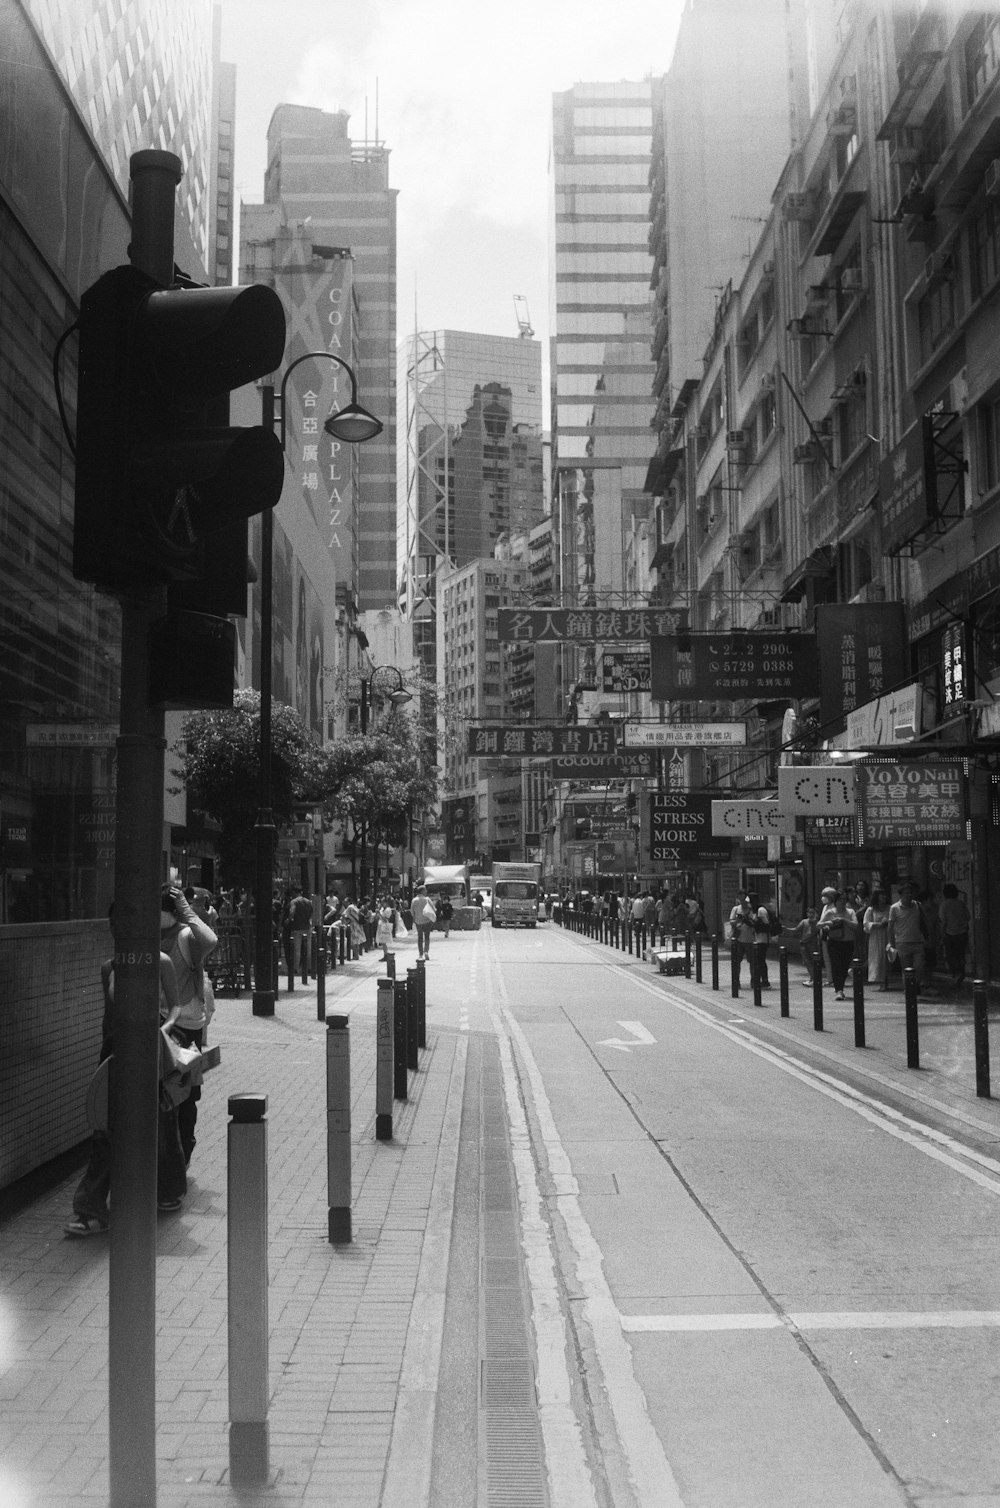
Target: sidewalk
{"x": 355, "y": 1330}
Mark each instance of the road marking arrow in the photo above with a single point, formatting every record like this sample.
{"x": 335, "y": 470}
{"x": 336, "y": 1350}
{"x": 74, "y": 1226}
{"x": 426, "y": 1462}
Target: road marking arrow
{"x": 640, "y": 1037}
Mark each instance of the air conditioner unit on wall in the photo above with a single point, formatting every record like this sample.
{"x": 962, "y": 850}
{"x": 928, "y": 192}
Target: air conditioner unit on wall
{"x": 797, "y": 207}
{"x": 804, "y": 455}
{"x": 737, "y": 439}
{"x": 852, "y": 279}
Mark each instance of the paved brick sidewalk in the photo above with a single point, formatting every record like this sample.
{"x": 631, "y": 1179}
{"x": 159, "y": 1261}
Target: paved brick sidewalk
{"x": 354, "y": 1330}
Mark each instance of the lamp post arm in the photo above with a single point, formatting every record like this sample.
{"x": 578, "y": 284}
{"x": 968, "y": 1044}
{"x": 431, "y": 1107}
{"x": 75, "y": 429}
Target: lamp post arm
{"x": 312, "y": 356}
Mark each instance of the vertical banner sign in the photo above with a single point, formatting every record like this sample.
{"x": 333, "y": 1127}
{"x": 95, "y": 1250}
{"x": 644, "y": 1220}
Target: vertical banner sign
{"x": 863, "y": 653}
{"x": 954, "y": 668}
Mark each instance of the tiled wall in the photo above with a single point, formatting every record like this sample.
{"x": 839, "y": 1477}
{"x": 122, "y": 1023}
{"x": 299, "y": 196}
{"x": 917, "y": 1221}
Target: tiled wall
{"x": 50, "y": 1036}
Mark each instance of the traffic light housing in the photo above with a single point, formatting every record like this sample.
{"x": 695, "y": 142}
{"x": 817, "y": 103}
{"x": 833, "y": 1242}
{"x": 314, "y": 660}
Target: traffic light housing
{"x": 159, "y": 470}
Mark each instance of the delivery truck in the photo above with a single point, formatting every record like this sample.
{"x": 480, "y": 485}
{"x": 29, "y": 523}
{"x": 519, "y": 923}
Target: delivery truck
{"x": 515, "y": 894}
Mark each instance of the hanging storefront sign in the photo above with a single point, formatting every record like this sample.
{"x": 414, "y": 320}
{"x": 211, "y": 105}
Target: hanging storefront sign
{"x": 625, "y": 670}
{"x": 908, "y": 487}
{"x": 755, "y": 819}
{"x": 863, "y": 653}
{"x": 531, "y": 740}
{"x": 912, "y": 803}
{"x": 582, "y": 625}
{"x": 893, "y": 719}
{"x": 816, "y": 791}
{"x": 683, "y": 735}
{"x": 637, "y": 766}
{"x": 680, "y": 830}
{"x": 733, "y": 666}
{"x": 955, "y": 662}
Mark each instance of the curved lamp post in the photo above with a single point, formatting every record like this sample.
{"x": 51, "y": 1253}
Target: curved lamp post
{"x": 397, "y": 698}
{"x": 354, "y": 425}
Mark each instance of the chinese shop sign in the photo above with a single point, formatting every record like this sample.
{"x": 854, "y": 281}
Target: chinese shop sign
{"x": 954, "y": 668}
{"x": 922, "y": 802}
{"x": 862, "y": 654}
{"x": 680, "y": 829}
{"x": 733, "y": 666}
{"x": 908, "y": 487}
{"x": 588, "y": 625}
{"x": 625, "y": 670}
{"x": 497, "y": 740}
{"x": 683, "y": 735}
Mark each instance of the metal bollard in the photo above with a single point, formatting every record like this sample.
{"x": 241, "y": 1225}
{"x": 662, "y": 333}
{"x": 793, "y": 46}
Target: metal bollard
{"x": 383, "y": 1061}
{"x": 817, "y": 992}
{"x": 981, "y": 1030}
{"x": 630, "y": 937}
{"x": 390, "y": 966}
{"x": 755, "y": 979}
{"x": 912, "y": 1027}
{"x": 734, "y": 973}
{"x": 247, "y": 1263}
{"x": 697, "y": 958}
{"x": 687, "y": 958}
{"x": 320, "y": 974}
{"x": 412, "y": 1056}
{"x": 783, "y": 980}
{"x": 343, "y": 944}
{"x": 399, "y": 1039}
{"x": 715, "y": 960}
{"x": 338, "y": 1128}
{"x": 421, "y": 1003}
{"x": 858, "y": 982}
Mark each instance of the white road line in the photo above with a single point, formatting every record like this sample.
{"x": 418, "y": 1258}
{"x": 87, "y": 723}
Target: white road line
{"x": 649, "y": 1470}
{"x": 942, "y": 1319}
{"x": 926, "y": 1139}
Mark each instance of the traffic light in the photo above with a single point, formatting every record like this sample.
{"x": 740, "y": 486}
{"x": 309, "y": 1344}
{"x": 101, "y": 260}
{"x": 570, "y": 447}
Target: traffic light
{"x": 158, "y": 468}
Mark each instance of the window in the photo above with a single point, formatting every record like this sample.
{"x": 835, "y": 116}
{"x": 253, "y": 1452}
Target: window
{"x": 988, "y": 444}
{"x": 936, "y": 314}
{"x": 851, "y": 422}
{"x": 984, "y": 238}
{"x": 982, "y": 55}
{"x": 768, "y": 412}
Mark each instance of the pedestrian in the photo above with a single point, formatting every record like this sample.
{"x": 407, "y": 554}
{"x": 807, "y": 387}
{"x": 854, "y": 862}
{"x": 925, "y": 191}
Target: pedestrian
{"x": 906, "y": 934}
{"x": 955, "y": 923}
{"x": 665, "y": 917}
{"x": 188, "y": 941}
{"x": 742, "y": 937}
{"x": 384, "y": 929}
{"x": 807, "y": 933}
{"x": 90, "y": 1198}
{"x": 300, "y": 916}
{"x": 838, "y": 924}
{"x": 352, "y": 916}
{"x": 445, "y": 912}
{"x": 875, "y": 922}
{"x": 761, "y": 938}
{"x": 930, "y": 911}
{"x": 424, "y": 917}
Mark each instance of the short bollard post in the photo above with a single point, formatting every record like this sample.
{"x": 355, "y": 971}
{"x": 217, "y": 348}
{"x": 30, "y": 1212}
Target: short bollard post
{"x": 817, "y": 993}
{"x": 390, "y": 966}
{"x": 734, "y": 972}
{"x": 715, "y": 960}
{"x": 247, "y": 1247}
{"x": 421, "y": 1003}
{"x": 981, "y": 1030}
{"x": 697, "y": 958}
{"x": 687, "y": 958}
{"x": 755, "y": 978}
{"x": 320, "y": 974}
{"x": 412, "y": 1057}
{"x": 630, "y": 930}
{"x": 343, "y": 944}
{"x": 399, "y": 1039}
{"x": 858, "y": 981}
{"x": 383, "y": 1061}
{"x": 783, "y": 980}
{"x": 338, "y": 1128}
{"x": 912, "y": 1027}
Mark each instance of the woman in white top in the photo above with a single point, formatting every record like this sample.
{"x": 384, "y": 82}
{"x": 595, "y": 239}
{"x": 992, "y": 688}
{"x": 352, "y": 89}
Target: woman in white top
{"x": 876, "y": 925}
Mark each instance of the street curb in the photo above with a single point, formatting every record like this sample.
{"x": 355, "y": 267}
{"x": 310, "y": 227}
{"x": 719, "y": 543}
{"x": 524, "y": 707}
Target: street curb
{"x": 409, "y": 1469}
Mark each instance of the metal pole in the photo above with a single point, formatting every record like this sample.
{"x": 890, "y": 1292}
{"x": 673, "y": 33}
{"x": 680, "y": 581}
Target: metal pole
{"x": 687, "y": 955}
{"x": 783, "y": 980}
{"x": 817, "y": 992}
{"x": 264, "y": 828}
{"x": 135, "y": 1021}
{"x": 697, "y": 958}
{"x": 912, "y": 1026}
{"x": 246, "y": 1232}
{"x": 981, "y": 1029}
{"x": 383, "y": 1061}
{"x": 412, "y": 988}
{"x": 338, "y": 1128}
{"x": 399, "y": 1039}
{"x": 715, "y": 960}
{"x": 734, "y": 970}
{"x": 858, "y": 980}
{"x": 421, "y": 1002}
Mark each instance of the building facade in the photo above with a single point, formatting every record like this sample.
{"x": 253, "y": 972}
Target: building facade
{"x": 318, "y": 177}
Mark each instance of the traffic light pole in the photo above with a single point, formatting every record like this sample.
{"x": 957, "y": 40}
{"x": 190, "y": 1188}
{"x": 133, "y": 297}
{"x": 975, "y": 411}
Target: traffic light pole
{"x": 135, "y": 1068}
{"x": 264, "y": 829}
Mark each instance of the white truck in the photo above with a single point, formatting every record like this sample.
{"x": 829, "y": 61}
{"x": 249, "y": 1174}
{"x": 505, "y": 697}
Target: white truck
{"x": 515, "y": 894}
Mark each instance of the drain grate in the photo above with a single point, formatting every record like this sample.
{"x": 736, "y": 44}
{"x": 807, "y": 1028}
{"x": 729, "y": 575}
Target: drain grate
{"x": 506, "y": 1382}
{"x": 501, "y": 1272}
{"x": 515, "y": 1477}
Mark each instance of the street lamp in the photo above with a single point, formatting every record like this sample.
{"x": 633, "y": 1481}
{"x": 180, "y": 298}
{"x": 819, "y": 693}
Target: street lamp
{"x": 354, "y": 425}
{"x": 396, "y": 698}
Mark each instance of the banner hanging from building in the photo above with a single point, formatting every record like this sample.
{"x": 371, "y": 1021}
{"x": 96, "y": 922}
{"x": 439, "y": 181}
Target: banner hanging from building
{"x": 918, "y": 802}
{"x": 733, "y": 666}
{"x": 683, "y": 735}
{"x": 588, "y": 625}
{"x": 907, "y": 487}
{"x": 680, "y": 830}
{"x": 863, "y": 653}
{"x": 535, "y": 741}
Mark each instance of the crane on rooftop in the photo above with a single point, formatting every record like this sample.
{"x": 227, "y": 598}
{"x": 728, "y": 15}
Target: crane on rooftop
{"x": 524, "y": 329}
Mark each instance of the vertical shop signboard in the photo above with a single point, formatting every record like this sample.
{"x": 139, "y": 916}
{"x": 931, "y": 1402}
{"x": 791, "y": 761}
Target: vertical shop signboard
{"x": 912, "y": 804}
{"x": 863, "y": 654}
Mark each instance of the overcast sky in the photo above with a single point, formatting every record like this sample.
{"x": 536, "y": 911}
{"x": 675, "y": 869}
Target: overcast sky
{"x": 464, "y": 105}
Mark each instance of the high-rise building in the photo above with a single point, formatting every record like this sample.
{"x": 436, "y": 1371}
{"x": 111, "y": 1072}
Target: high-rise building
{"x": 474, "y": 459}
{"x": 221, "y": 246}
{"x": 318, "y": 179}
{"x": 601, "y": 370}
